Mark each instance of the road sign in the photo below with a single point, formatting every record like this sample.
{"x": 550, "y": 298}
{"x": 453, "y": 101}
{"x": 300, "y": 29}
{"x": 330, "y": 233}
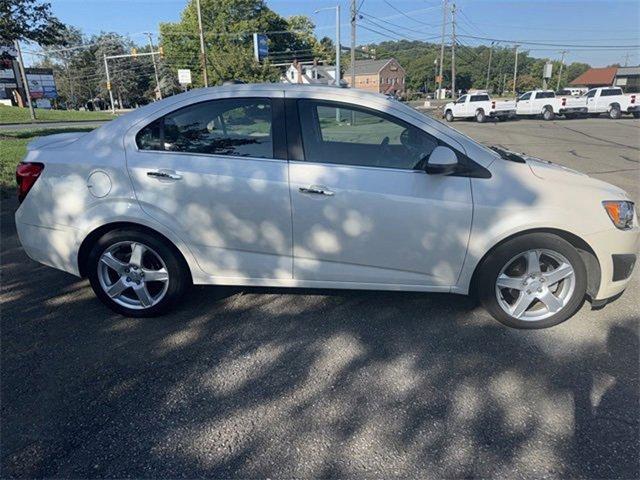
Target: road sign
{"x": 260, "y": 46}
{"x": 184, "y": 76}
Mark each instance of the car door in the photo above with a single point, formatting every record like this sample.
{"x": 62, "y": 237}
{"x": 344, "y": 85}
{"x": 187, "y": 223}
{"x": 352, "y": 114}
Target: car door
{"x": 459, "y": 108}
{"x": 216, "y": 172}
{"x": 523, "y": 106}
{"x": 364, "y": 210}
{"x": 591, "y": 100}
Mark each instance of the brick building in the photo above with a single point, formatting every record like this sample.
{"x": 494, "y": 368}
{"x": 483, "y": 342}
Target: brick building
{"x": 381, "y": 76}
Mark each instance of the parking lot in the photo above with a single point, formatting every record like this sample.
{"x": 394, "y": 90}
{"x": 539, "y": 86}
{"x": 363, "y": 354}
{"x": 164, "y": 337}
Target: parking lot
{"x": 252, "y": 383}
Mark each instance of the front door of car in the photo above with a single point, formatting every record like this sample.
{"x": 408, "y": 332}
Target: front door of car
{"x": 523, "y": 107}
{"x": 364, "y": 210}
{"x": 460, "y": 107}
{"x": 216, "y": 172}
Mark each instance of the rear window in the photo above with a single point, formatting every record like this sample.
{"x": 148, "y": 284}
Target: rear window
{"x": 545, "y": 95}
{"x": 610, "y": 92}
{"x": 479, "y": 98}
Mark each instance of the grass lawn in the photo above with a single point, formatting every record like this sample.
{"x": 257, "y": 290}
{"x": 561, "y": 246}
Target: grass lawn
{"x": 13, "y": 146}
{"x": 21, "y": 115}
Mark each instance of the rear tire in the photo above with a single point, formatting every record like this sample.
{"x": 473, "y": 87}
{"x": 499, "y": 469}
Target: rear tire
{"x": 614, "y": 112}
{"x": 531, "y": 284}
{"x": 448, "y": 116}
{"x": 635, "y": 114}
{"x": 548, "y": 114}
{"x": 480, "y": 116}
{"x": 136, "y": 274}
{"x": 570, "y": 116}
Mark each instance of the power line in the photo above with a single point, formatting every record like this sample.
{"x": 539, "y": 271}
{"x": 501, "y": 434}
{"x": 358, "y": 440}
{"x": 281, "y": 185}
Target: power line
{"x": 526, "y": 42}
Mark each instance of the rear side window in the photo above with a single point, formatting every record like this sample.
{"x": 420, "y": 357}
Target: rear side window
{"x": 479, "y": 98}
{"x": 235, "y": 127}
{"x": 610, "y": 92}
{"x": 545, "y": 95}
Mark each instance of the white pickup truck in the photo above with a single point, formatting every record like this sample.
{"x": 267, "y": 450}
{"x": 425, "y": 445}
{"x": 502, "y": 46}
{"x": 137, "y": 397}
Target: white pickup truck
{"x": 612, "y": 101}
{"x": 480, "y": 106}
{"x": 545, "y": 103}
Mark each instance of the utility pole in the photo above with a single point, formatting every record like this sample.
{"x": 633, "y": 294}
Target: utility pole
{"x": 203, "y": 57}
{"x": 563, "y": 52}
{"x": 626, "y": 59}
{"x": 444, "y": 22}
{"x": 515, "y": 69}
{"x": 106, "y": 68}
{"x": 353, "y": 43}
{"x": 24, "y": 80}
{"x": 489, "y": 67}
{"x": 155, "y": 67}
{"x": 338, "y": 45}
{"x": 453, "y": 51}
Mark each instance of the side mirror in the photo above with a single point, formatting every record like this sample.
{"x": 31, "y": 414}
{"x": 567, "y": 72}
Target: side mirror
{"x": 442, "y": 161}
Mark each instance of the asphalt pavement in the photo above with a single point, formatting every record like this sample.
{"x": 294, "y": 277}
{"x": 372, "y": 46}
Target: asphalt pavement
{"x": 248, "y": 383}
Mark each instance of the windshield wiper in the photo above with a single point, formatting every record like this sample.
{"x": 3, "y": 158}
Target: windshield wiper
{"x": 512, "y": 157}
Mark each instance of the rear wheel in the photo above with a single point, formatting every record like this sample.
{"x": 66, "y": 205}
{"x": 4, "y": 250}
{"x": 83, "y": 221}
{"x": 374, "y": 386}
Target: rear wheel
{"x": 449, "y": 116}
{"x": 548, "y": 114}
{"x": 480, "y": 116}
{"x": 136, "y": 274}
{"x": 636, "y": 114}
{"x": 569, "y": 116}
{"x": 533, "y": 281}
{"x": 615, "y": 112}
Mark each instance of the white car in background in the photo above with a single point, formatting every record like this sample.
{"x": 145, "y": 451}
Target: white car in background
{"x": 612, "y": 101}
{"x": 546, "y": 104}
{"x": 318, "y": 187}
{"x": 478, "y": 105}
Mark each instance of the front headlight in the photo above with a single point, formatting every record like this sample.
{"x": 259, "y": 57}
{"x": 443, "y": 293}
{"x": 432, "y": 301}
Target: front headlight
{"x": 620, "y": 212}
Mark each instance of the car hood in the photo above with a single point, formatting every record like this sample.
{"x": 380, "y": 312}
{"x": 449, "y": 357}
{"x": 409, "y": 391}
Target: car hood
{"x": 552, "y": 172}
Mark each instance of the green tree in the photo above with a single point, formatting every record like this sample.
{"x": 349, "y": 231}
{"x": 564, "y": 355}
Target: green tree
{"x": 29, "y": 20}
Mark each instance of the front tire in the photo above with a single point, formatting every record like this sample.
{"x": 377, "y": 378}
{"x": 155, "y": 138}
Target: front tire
{"x": 636, "y": 114}
{"x": 448, "y": 116}
{"x": 136, "y": 274}
{"x": 534, "y": 281}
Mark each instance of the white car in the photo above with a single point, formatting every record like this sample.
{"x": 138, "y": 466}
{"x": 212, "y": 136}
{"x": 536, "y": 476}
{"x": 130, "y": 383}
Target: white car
{"x": 478, "y": 105}
{"x": 612, "y": 101}
{"x": 311, "y": 186}
{"x": 545, "y": 103}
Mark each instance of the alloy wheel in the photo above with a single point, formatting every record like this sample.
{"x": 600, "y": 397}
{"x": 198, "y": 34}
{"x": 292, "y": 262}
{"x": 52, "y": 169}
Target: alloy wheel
{"x": 535, "y": 285}
{"x": 133, "y": 275}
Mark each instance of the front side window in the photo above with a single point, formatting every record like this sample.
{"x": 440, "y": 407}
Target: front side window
{"x": 236, "y": 127}
{"x": 591, "y": 93}
{"x": 462, "y": 99}
{"x": 333, "y": 133}
{"x": 526, "y": 96}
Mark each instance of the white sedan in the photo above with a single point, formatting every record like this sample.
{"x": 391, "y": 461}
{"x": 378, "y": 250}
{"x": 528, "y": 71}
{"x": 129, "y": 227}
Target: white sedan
{"x": 310, "y": 186}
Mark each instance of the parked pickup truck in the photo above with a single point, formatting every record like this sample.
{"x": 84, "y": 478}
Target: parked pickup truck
{"x": 480, "y": 106}
{"x": 612, "y": 101}
{"x": 545, "y": 103}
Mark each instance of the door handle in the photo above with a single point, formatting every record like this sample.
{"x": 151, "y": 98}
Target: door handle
{"x": 317, "y": 189}
{"x": 163, "y": 174}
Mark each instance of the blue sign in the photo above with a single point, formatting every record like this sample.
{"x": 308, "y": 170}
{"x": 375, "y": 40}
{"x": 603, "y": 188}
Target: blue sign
{"x": 260, "y": 46}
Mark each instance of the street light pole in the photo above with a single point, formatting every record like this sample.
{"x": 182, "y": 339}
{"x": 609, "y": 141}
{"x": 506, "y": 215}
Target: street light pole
{"x": 106, "y": 68}
{"x": 444, "y": 22}
{"x": 155, "y": 67}
{"x": 337, "y": 66}
{"x": 23, "y": 74}
{"x": 353, "y": 43}
{"x": 203, "y": 57}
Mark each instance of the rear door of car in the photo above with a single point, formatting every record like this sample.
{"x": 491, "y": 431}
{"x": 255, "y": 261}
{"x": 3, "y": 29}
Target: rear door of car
{"x": 216, "y": 171}
{"x": 364, "y": 210}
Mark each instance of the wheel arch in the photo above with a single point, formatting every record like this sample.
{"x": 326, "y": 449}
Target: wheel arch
{"x": 587, "y": 254}
{"x": 547, "y": 107}
{"x": 614, "y": 104}
{"x": 96, "y": 234}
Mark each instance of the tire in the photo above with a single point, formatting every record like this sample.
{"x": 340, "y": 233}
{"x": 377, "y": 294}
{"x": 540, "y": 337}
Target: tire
{"x": 448, "y": 116}
{"x": 110, "y": 266}
{"x": 548, "y": 114}
{"x": 635, "y": 114}
{"x": 614, "y": 112}
{"x": 570, "y": 116}
{"x": 508, "y": 264}
{"x": 480, "y": 116}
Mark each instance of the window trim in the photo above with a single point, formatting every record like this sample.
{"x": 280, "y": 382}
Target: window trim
{"x": 278, "y": 135}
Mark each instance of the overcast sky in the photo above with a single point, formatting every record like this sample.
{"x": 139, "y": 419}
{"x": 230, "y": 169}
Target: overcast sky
{"x": 585, "y": 28}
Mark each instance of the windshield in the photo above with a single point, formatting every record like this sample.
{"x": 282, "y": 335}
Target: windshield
{"x": 506, "y": 155}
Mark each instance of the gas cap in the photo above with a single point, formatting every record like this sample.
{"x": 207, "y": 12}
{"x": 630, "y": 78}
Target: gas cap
{"x": 99, "y": 184}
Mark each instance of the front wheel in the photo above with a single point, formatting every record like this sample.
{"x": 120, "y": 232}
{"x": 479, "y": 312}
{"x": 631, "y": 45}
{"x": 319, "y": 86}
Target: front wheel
{"x": 448, "y": 116}
{"x": 636, "y": 114}
{"x": 136, "y": 274}
{"x": 533, "y": 281}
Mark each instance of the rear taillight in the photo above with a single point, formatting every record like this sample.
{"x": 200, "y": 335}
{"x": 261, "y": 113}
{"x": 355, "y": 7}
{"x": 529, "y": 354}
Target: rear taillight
{"x": 493, "y": 105}
{"x": 633, "y": 99}
{"x": 564, "y": 102}
{"x": 26, "y": 175}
